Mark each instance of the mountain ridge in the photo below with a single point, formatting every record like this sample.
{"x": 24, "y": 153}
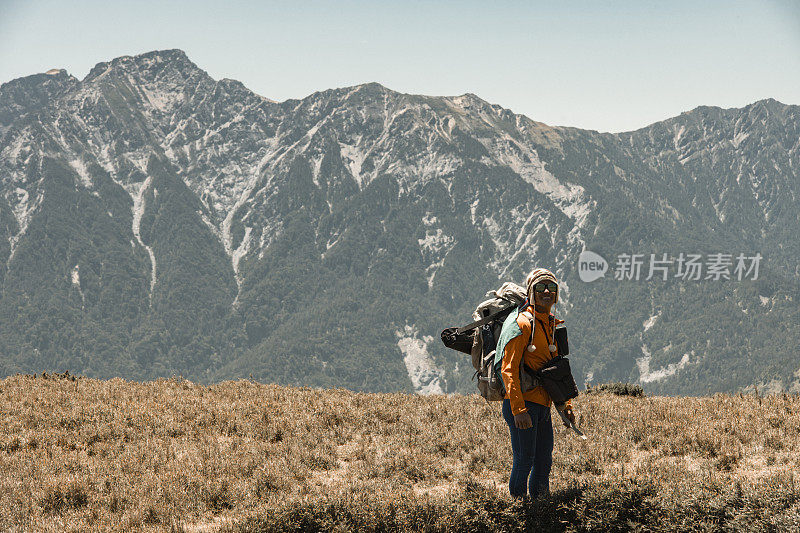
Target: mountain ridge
{"x": 223, "y": 210}
{"x": 177, "y": 54}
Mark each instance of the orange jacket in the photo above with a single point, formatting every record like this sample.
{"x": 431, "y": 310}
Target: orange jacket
{"x": 515, "y": 350}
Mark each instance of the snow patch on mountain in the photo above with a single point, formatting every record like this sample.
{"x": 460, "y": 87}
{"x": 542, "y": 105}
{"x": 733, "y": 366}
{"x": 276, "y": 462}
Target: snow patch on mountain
{"x": 501, "y": 243}
{"x": 18, "y": 200}
{"x": 269, "y": 233}
{"x": 429, "y": 219}
{"x": 353, "y": 158}
{"x": 647, "y": 324}
{"x": 332, "y": 241}
{"x": 679, "y": 131}
{"x": 23, "y": 209}
{"x": 414, "y": 175}
{"x": 316, "y": 165}
{"x": 571, "y": 199}
{"x": 434, "y": 247}
{"x": 22, "y": 140}
{"x": 80, "y": 167}
{"x": 794, "y": 386}
{"x": 104, "y": 159}
{"x": 774, "y": 386}
{"x": 425, "y": 376}
{"x": 473, "y": 208}
{"x": 227, "y": 222}
{"x": 207, "y": 221}
{"x": 739, "y": 138}
{"x": 137, "y": 192}
{"x": 515, "y": 236}
{"x": 434, "y": 242}
{"x": 165, "y": 99}
{"x": 241, "y": 250}
{"x": 527, "y": 223}
{"x": 518, "y": 242}
{"x": 563, "y": 295}
{"x": 228, "y": 183}
{"x": 647, "y": 376}
{"x": 139, "y": 160}
{"x": 76, "y": 281}
{"x": 388, "y": 152}
{"x": 435, "y": 165}
{"x": 430, "y": 271}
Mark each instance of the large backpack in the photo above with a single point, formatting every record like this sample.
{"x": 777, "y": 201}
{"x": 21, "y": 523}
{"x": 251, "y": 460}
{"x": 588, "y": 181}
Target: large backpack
{"x": 480, "y": 339}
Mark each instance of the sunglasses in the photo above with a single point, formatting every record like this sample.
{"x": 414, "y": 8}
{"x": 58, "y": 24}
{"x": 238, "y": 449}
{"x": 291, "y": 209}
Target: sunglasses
{"x": 540, "y": 287}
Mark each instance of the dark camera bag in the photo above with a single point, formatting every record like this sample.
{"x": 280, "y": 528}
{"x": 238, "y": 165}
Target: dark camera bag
{"x": 556, "y": 378}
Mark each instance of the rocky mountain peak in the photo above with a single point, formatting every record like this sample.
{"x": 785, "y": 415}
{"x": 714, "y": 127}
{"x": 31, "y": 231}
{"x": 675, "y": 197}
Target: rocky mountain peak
{"x": 769, "y": 103}
{"x": 371, "y": 87}
{"x": 157, "y": 63}
{"x": 20, "y": 96}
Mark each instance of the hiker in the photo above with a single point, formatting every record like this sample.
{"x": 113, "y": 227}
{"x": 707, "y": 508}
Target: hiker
{"x": 528, "y": 414}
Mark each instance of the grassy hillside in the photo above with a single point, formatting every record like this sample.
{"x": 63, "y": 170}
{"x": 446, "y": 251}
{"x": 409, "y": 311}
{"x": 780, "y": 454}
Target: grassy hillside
{"x": 79, "y": 454}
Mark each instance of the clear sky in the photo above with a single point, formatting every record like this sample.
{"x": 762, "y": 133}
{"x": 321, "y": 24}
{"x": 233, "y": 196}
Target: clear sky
{"x": 609, "y": 66}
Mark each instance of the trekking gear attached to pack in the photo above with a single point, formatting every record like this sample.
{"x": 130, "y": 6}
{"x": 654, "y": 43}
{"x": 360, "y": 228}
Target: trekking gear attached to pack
{"x": 483, "y": 336}
{"x": 490, "y": 316}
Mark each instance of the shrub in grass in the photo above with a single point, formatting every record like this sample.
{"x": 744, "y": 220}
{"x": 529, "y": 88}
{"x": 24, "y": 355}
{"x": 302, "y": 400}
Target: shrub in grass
{"x": 620, "y": 389}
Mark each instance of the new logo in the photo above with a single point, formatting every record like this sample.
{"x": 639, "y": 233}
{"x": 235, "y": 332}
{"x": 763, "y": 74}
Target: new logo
{"x": 591, "y": 266}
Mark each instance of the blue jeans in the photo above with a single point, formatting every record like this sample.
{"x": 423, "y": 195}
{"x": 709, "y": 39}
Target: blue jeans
{"x": 532, "y": 449}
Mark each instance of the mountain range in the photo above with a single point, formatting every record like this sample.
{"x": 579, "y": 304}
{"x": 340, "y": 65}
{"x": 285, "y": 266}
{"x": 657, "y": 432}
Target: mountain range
{"x": 155, "y": 221}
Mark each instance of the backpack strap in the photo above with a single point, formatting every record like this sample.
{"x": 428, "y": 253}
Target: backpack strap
{"x": 486, "y": 319}
{"x": 533, "y": 374}
{"x": 523, "y": 367}
{"x": 529, "y": 316}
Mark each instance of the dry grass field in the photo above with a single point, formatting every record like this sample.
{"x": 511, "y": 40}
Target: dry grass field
{"x": 170, "y": 455}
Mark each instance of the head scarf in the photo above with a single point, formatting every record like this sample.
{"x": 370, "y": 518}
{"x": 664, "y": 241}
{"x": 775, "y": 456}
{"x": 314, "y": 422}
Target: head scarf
{"x": 536, "y": 276}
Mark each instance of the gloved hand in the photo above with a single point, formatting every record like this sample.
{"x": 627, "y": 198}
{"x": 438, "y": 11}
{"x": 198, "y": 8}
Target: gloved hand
{"x": 523, "y": 420}
{"x": 570, "y": 416}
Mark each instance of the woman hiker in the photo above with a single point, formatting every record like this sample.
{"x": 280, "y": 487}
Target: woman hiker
{"x": 528, "y": 414}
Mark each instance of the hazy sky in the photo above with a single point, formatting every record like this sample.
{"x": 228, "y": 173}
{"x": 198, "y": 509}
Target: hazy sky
{"x": 610, "y": 66}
